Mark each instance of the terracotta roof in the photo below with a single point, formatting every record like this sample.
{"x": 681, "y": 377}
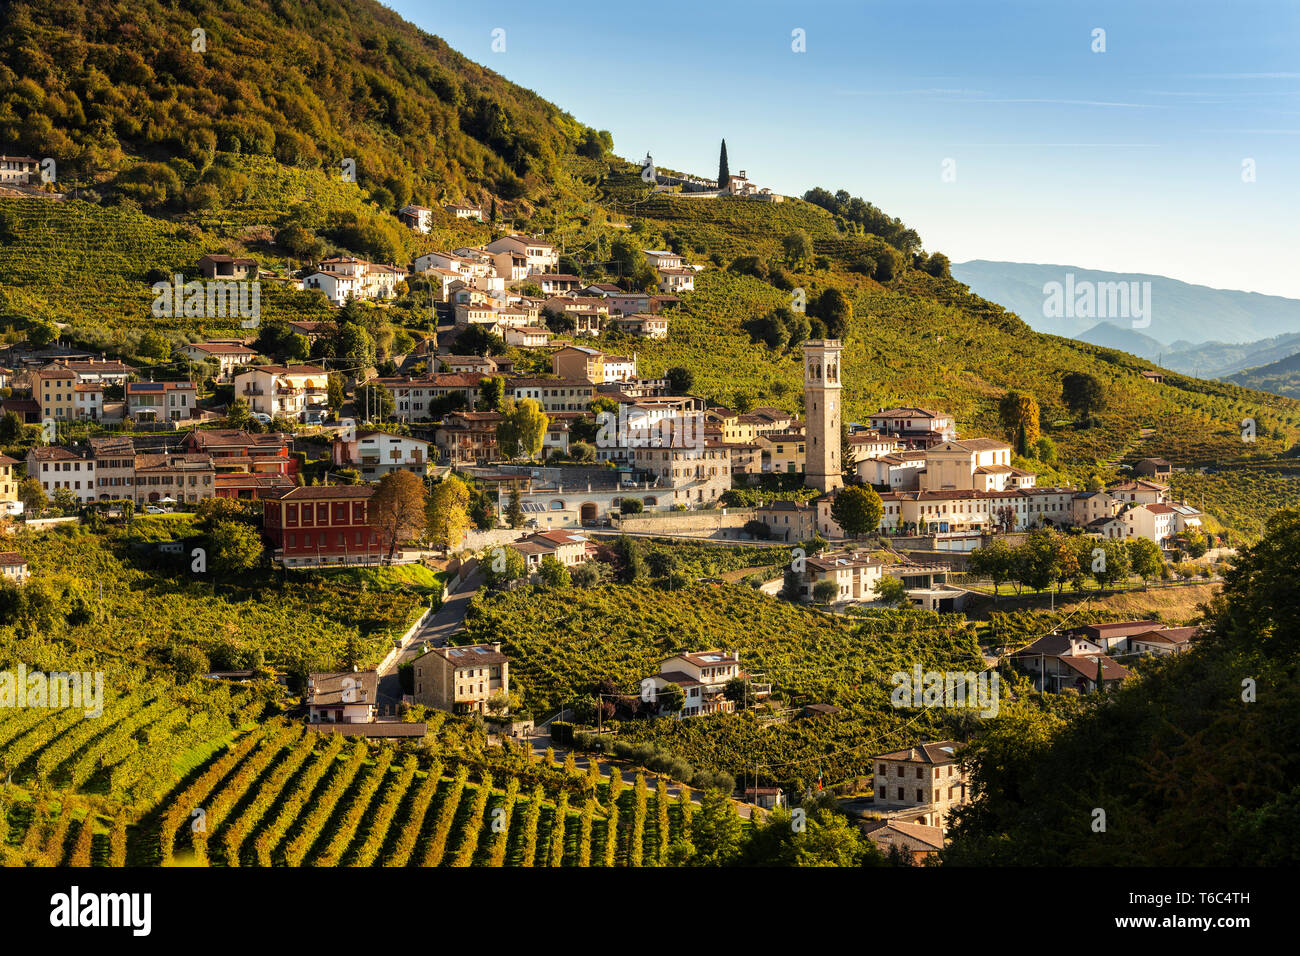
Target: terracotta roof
{"x": 940, "y": 752}
{"x": 929, "y": 836}
{"x": 909, "y": 412}
{"x": 222, "y": 348}
{"x": 326, "y": 492}
{"x": 361, "y": 687}
{"x": 472, "y": 655}
{"x": 1168, "y": 635}
{"x": 1087, "y": 665}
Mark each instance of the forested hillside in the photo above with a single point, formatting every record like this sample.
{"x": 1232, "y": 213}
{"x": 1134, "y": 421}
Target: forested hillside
{"x": 1191, "y": 765}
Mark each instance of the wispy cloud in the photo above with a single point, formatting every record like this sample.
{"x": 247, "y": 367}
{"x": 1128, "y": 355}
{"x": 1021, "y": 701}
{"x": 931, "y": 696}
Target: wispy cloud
{"x": 1245, "y": 76}
{"x": 1059, "y": 145}
{"x": 1063, "y": 102}
{"x": 932, "y": 91}
{"x": 1254, "y": 132}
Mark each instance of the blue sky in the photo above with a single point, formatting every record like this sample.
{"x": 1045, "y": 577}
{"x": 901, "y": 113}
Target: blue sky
{"x": 1129, "y": 159}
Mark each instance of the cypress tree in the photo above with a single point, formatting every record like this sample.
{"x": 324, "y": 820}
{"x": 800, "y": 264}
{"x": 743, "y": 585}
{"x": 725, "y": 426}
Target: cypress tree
{"x": 724, "y": 175}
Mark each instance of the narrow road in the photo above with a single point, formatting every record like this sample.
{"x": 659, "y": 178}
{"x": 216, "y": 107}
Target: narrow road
{"x": 449, "y": 620}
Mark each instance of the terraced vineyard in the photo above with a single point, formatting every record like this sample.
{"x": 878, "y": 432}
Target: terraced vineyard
{"x": 280, "y": 794}
{"x": 283, "y": 795}
{"x": 126, "y": 753}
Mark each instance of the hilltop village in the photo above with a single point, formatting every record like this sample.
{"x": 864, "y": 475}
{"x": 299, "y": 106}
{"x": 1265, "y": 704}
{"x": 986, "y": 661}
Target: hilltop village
{"x": 507, "y": 449}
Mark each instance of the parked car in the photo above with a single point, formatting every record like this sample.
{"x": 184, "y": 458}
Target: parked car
{"x": 155, "y": 510}
{"x": 261, "y": 418}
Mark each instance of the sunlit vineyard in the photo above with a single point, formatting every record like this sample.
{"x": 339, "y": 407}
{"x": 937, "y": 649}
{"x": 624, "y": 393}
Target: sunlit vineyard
{"x": 121, "y": 585}
{"x": 564, "y": 642}
{"x": 282, "y": 795}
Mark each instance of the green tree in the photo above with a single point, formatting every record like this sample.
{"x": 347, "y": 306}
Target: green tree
{"x": 154, "y": 346}
{"x": 553, "y": 574}
{"x": 1038, "y": 564}
{"x": 41, "y": 333}
{"x": 521, "y": 432}
{"x": 1045, "y": 450}
{"x": 32, "y": 495}
{"x": 835, "y": 309}
{"x": 629, "y": 560}
{"x": 1145, "y": 558}
{"x": 188, "y": 663}
{"x": 670, "y": 700}
{"x": 891, "y": 591}
{"x": 724, "y": 174}
{"x": 716, "y": 831}
{"x": 680, "y": 380}
{"x": 995, "y": 562}
{"x": 396, "y": 509}
{"x": 1018, "y": 413}
{"x": 355, "y": 345}
{"x": 515, "y": 509}
{"x": 336, "y": 394}
{"x": 1110, "y": 562}
{"x": 1196, "y": 544}
{"x": 501, "y": 565}
{"x": 238, "y": 414}
{"x": 236, "y": 547}
{"x": 11, "y": 428}
{"x": 798, "y": 248}
{"x": 827, "y": 838}
{"x": 857, "y": 510}
{"x": 446, "y": 513}
{"x": 1083, "y": 394}
{"x": 825, "y": 592}
{"x": 492, "y": 393}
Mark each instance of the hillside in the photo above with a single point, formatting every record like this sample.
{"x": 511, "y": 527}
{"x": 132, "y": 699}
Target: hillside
{"x": 116, "y": 94}
{"x": 1112, "y": 336}
{"x": 1281, "y": 377}
{"x": 1220, "y": 359}
{"x": 98, "y": 85}
{"x": 1181, "y": 310}
{"x": 1188, "y": 767}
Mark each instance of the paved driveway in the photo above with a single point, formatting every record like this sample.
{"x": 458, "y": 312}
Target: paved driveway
{"x": 449, "y": 619}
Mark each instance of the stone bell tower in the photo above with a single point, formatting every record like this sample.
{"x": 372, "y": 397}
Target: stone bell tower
{"x": 822, "y": 409}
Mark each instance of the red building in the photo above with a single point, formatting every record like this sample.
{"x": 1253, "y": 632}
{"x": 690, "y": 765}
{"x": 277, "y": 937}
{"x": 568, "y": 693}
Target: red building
{"x": 247, "y": 465}
{"x": 322, "y": 524}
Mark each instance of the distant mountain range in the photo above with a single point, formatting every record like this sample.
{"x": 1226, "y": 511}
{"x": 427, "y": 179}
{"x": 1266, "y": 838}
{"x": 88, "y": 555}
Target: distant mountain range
{"x": 1205, "y": 360}
{"x": 1179, "y": 311}
{"x": 1193, "y": 329}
